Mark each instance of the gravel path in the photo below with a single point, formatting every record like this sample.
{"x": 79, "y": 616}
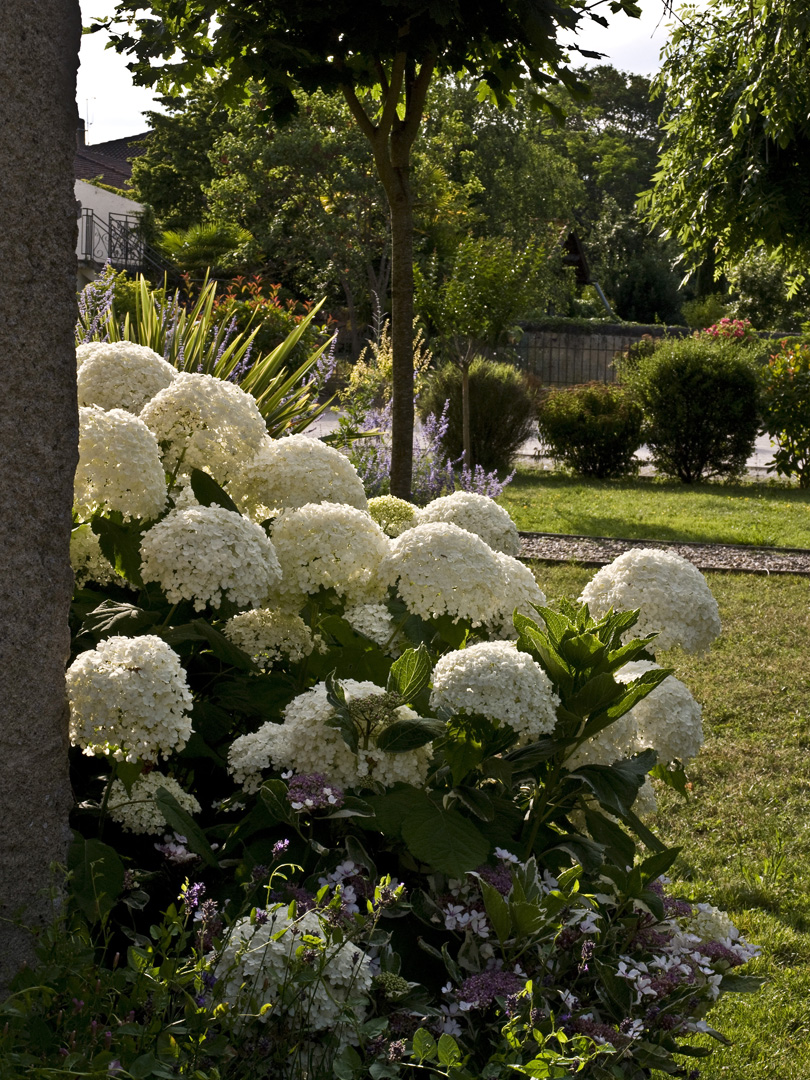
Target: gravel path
{"x": 599, "y": 550}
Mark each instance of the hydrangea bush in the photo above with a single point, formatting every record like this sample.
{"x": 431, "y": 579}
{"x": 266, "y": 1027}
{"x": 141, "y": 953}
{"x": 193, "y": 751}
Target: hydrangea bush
{"x": 350, "y": 804}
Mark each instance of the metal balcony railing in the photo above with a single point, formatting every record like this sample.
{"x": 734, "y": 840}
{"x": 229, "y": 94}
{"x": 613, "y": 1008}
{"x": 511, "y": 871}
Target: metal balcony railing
{"x": 116, "y": 241}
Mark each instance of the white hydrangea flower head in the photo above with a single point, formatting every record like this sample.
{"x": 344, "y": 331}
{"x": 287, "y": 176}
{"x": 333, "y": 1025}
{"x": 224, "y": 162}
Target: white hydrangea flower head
{"x": 202, "y": 422}
{"x": 88, "y": 562}
{"x": 519, "y": 591}
{"x": 439, "y": 569}
{"x": 253, "y": 966}
{"x": 673, "y": 597}
{"x": 374, "y": 621}
{"x": 614, "y": 743}
{"x": 119, "y": 466}
{"x": 139, "y": 812}
{"x": 305, "y": 744}
{"x": 711, "y": 924}
{"x": 668, "y": 719}
{"x": 290, "y": 472}
{"x": 207, "y": 554}
{"x": 477, "y": 514}
{"x": 646, "y": 803}
{"x": 120, "y": 375}
{"x": 129, "y": 699}
{"x": 88, "y": 349}
{"x": 494, "y": 680}
{"x": 394, "y": 516}
{"x": 328, "y": 545}
{"x": 268, "y": 635}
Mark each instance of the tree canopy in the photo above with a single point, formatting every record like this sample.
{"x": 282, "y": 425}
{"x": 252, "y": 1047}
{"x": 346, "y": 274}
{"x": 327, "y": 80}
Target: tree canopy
{"x": 391, "y": 49}
{"x": 733, "y": 171}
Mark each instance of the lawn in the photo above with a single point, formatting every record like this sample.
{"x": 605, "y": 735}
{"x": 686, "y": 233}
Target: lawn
{"x": 647, "y": 508}
{"x": 745, "y": 829}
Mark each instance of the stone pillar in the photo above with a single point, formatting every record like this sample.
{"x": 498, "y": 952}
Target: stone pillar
{"x": 39, "y": 56}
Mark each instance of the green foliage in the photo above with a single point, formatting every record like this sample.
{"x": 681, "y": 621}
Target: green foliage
{"x": 501, "y": 410}
{"x": 595, "y": 429}
{"x": 762, "y": 293}
{"x": 705, "y": 310}
{"x": 217, "y": 248}
{"x": 786, "y": 410}
{"x": 733, "y": 170}
{"x": 700, "y": 399}
{"x": 487, "y": 288}
{"x": 199, "y": 338}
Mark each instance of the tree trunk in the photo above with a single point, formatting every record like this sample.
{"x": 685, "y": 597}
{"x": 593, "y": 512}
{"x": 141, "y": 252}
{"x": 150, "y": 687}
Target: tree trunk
{"x": 39, "y": 53}
{"x": 402, "y": 336}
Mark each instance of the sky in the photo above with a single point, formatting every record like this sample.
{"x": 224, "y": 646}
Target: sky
{"x": 112, "y": 107}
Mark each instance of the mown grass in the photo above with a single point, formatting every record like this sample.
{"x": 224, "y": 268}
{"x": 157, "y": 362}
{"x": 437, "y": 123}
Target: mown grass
{"x": 648, "y": 508}
{"x": 745, "y": 829}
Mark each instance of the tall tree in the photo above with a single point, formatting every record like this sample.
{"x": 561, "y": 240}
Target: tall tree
{"x": 39, "y": 58}
{"x": 733, "y": 174}
{"x": 393, "y": 48}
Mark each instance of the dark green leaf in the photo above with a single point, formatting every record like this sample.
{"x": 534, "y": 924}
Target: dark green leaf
{"x": 273, "y": 794}
{"x": 607, "y": 832}
{"x": 424, "y": 1045}
{"x": 96, "y": 877}
{"x": 478, "y": 802}
{"x": 444, "y": 840}
{"x": 120, "y": 544}
{"x": 497, "y": 910}
{"x": 583, "y": 650}
{"x": 656, "y": 865}
{"x": 183, "y": 823}
{"x": 616, "y": 786}
{"x": 391, "y": 808}
{"x": 410, "y": 673}
{"x": 256, "y": 695}
{"x": 402, "y": 735}
{"x": 596, "y": 694}
{"x": 674, "y": 778}
{"x": 352, "y": 807}
{"x": 178, "y": 635}
{"x": 454, "y": 632}
{"x": 113, "y": 617}
{"x": 636, "y": 690}
{"x": 449, "y": 1053}
{"x": 208, "y": 492}
{"x": 222, "y": 648}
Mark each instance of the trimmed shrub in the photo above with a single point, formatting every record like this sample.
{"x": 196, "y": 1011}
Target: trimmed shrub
{"x": 700, "y": 398}
{"x": 502, "y": 411}
{"x": 595, "y": 429}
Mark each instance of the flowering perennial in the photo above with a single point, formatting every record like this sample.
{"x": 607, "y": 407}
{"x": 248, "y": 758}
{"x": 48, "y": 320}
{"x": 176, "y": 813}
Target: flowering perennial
{"x": 674, "y": 600}
{"x": 119, "y": 466}
{"x": 328, "y": 546}
{"x": 668, "y": 719}
{"x": 139, "y": 812}
{"x": 129, "y": 698}
{"x": 494, "y": 680}
{"x": 120, "y": 374}
{"x": 477, "y": 514}
{"x": 306, "y": 744}
{"x": 87, "y": 560}
{"x": 261, "y": 956}
{"x": 202, "y": 422}
{"x": 292, "y": 472}
{"x": 393, "y": 515}
{"x": 518, "y": 591}
{"x": 207, "y": 554}
{"x": 439, "y": 569}
{"x": 268, "y": 635}
{"x": 374, "y": 622}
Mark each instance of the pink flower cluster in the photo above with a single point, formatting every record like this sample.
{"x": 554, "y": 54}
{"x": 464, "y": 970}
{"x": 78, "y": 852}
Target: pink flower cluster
{"x": 731, "y": 330}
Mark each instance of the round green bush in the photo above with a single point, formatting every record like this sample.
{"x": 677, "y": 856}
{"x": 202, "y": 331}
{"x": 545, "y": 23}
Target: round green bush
{"x": 700, "y": 398}
{"x": 595, "y": 428}
{"x": 502, "y": 410}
